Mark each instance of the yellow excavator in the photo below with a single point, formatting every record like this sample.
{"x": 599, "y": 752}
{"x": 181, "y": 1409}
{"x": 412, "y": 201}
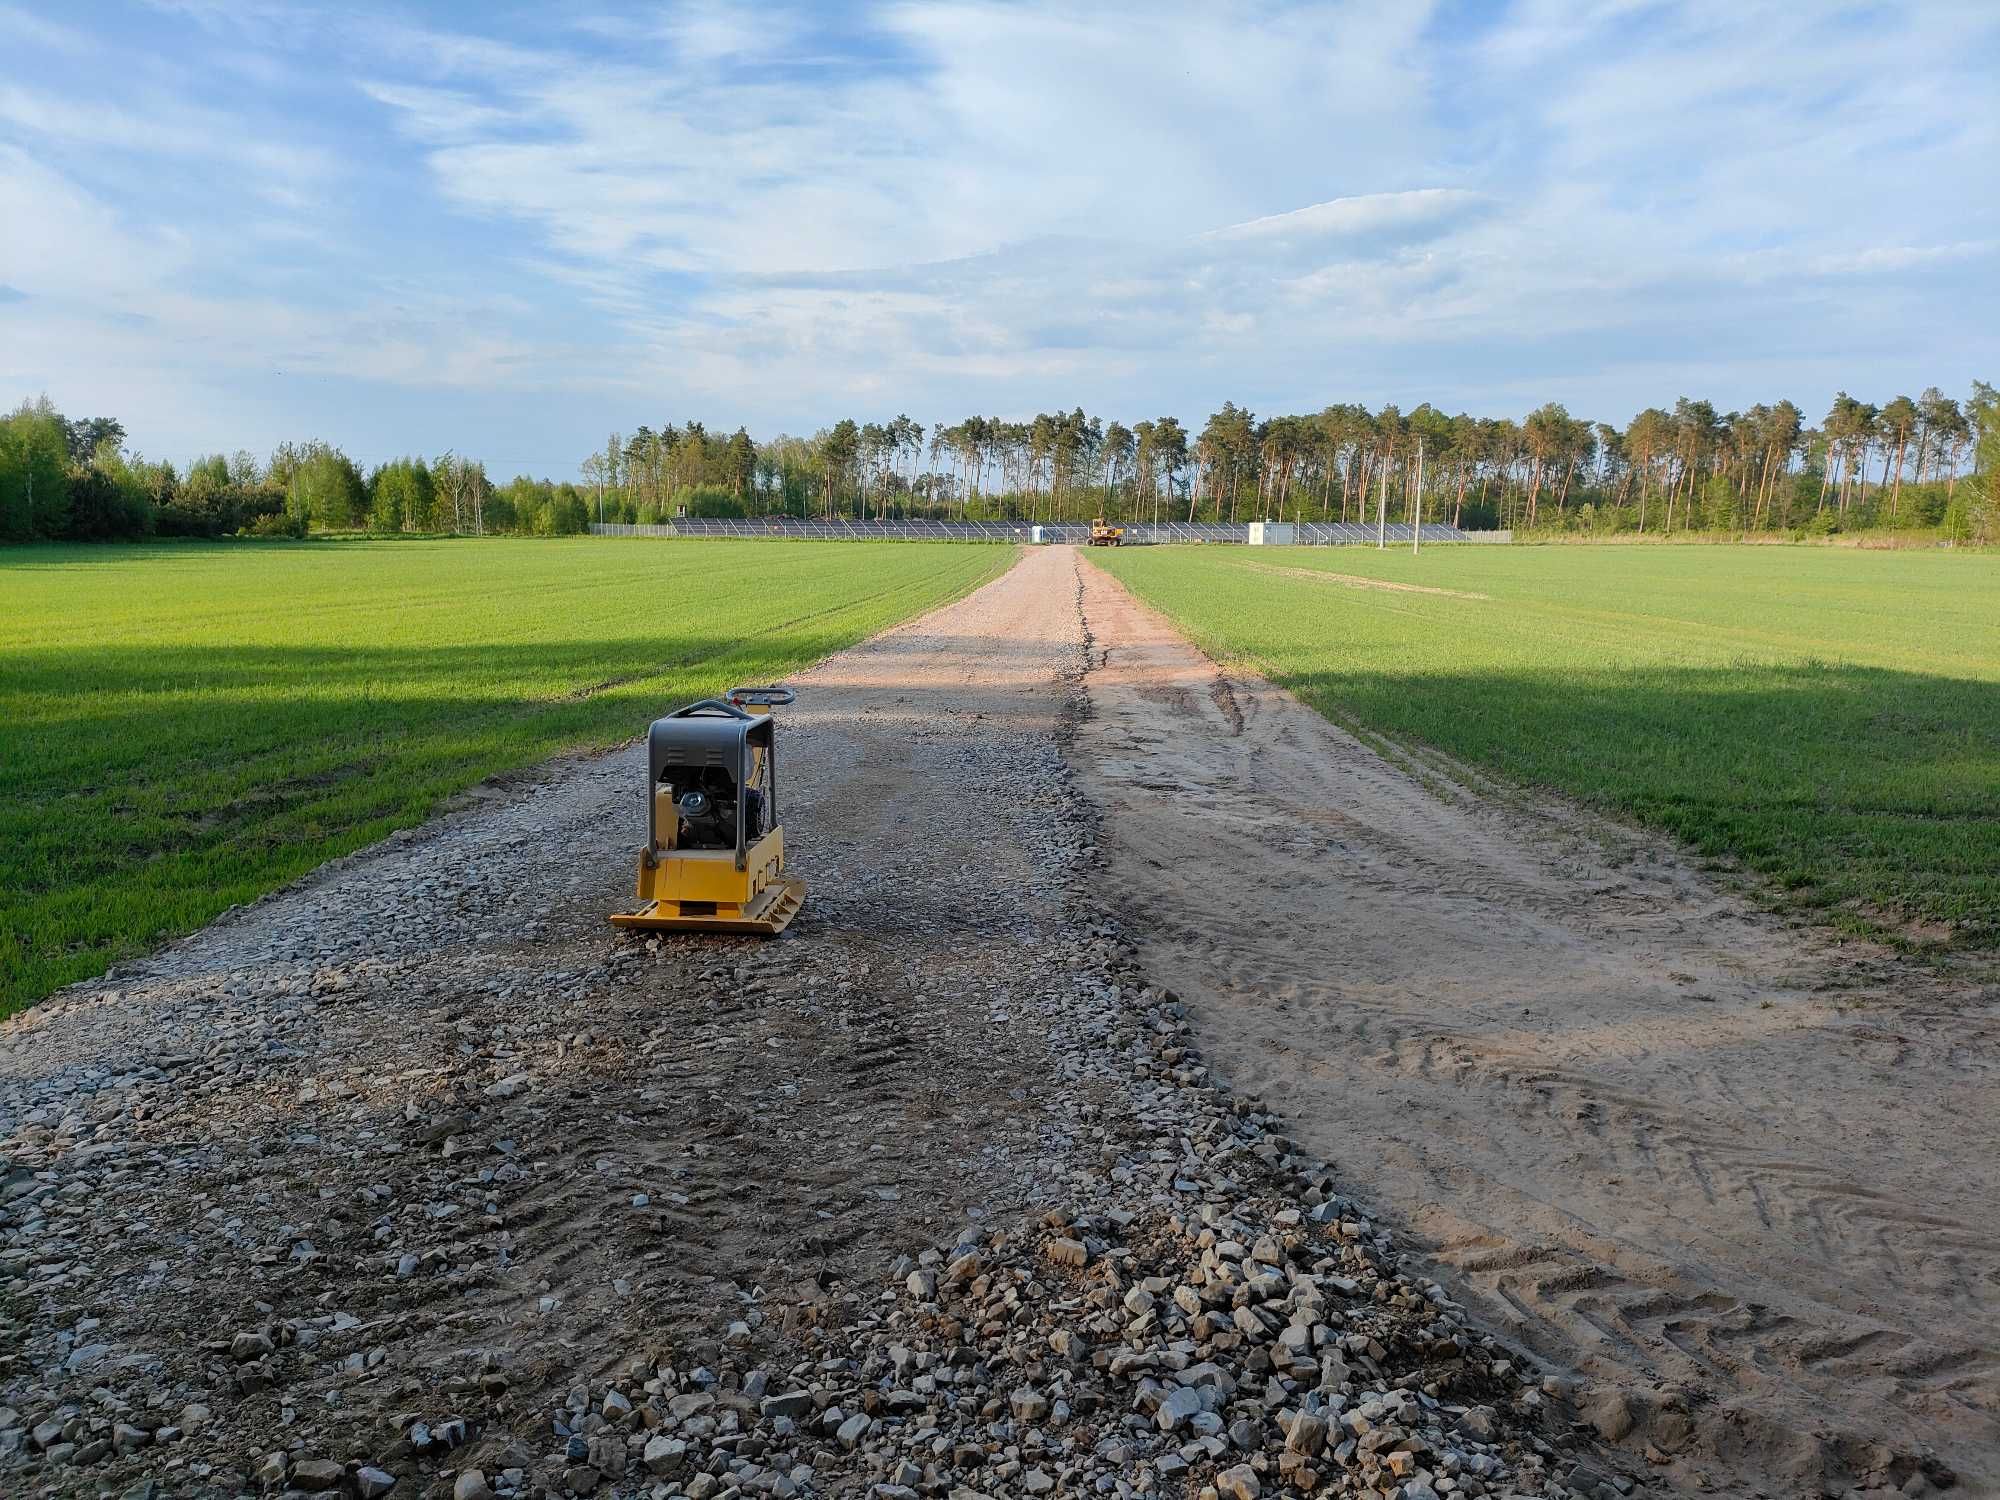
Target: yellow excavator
{"x": 714, "y": 856}
{"x": 1104, "y": 534}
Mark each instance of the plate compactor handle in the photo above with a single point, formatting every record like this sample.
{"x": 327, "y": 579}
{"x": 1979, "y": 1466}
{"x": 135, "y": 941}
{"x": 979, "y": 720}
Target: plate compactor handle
{"x": 763, "y": 697}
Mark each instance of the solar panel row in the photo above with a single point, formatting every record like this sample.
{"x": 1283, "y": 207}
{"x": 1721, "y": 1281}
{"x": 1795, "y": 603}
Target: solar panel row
{"x": 1312, "y": 533}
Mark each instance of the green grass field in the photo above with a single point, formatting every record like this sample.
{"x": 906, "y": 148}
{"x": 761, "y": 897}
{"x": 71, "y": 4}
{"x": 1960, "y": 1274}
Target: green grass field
{"x": 185, "y": 727}
{"x": 1827, "y": 719}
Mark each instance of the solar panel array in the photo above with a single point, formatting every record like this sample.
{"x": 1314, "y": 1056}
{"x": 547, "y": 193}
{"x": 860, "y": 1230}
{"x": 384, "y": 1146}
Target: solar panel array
{"x": 1309, "y": 533}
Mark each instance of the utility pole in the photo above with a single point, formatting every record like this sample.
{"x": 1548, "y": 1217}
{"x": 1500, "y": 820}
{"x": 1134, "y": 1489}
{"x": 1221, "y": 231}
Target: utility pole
{"x": 1417, "y": 529}
{"x": 1382, "y": 508}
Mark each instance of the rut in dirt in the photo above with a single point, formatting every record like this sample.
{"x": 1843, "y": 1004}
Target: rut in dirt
{"x": 1661, "y": 1137}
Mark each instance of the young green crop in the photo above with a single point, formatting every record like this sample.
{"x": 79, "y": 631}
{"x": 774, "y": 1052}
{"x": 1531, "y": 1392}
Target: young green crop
{"x": 185, "y": 727}
{"x": 1829, "y": 719}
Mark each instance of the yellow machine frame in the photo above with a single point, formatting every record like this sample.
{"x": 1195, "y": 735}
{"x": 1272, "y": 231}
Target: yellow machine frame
{"x": 1105, "y": 535}
{"x": 744, "y": 889}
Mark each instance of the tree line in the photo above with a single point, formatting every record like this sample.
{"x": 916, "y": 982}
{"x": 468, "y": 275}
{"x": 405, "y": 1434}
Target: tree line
{"x": 1667, "y": 471}
{"x": 1688, "y": 468}
{"x": 75, "y": 480}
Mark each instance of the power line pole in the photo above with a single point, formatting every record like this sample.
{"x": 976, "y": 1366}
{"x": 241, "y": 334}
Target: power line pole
{"x": 1382, "y": 508}
{"x": 1417, "y": 529}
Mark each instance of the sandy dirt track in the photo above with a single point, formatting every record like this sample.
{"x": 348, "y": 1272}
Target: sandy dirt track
{"x": 1657, "y": 1135}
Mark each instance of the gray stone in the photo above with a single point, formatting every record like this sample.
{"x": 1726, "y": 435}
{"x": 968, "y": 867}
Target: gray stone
{"x": 1586, "y": 1477}
{"x": 1028, "y": 1405}
{"x": 1239, "y": 1483}
{"x": 665, "y": 1455}
{"x": 320, "y": 1474}
{"x": 471, "y": 1485}
{"x": 1182, "y": 1404}
{"x": 372, "y": 1483}
{"x": 793, "y": 1404}
{"x": 1308, "y": 1434}
{"x": 964, "y": 1269}
{"x": 1481, "y": 1422}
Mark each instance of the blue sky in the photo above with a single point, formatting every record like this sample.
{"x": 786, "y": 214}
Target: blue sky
{"x": 508, "y": 230}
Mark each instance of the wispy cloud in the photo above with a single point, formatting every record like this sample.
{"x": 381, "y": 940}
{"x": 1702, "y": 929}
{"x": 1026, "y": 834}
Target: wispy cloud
{"x": 167, "y": 128}
{"x": 778, "y": 214}
{"x": 38, "y": 31}
{"x": 1892, "y": 259}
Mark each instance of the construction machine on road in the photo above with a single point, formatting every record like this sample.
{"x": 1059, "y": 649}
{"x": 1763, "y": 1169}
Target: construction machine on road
{"x": 1104, "y": 534}
{"x": 714, "y": 856}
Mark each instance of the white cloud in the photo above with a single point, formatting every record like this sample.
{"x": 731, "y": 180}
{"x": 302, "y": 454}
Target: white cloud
{"x": 61, "y": 242}
{"x": 39, "y": 31}
{"x": 706, "y": 31}
{"x": 1889, "y": 259}
{"x": 1340, "y": 217}
{"x": 167, "y": 127}
{"x": 1039, "y": 190}
{"x": 778, "y": 215}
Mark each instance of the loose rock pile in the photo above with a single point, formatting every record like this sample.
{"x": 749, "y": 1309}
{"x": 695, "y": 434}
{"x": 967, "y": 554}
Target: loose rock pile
{"x": 1192, "y": 1332}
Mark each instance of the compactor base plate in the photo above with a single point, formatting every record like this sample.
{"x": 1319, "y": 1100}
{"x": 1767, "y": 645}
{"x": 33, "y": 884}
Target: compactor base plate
{"x": 768, "y": 914}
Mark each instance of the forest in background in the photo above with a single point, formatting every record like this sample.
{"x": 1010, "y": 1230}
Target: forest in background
{"x": 1688, "y": 469}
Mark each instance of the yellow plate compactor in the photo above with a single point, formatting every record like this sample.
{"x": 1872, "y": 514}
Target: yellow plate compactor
{"x": 714, "y": 857}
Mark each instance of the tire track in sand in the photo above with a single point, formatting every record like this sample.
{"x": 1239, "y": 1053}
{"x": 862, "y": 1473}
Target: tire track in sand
{"x": 1697, "y": 1156}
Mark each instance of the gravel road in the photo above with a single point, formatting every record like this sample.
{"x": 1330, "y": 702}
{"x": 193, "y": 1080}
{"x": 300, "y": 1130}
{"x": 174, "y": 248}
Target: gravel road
{"x": 418, "y": 1179}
